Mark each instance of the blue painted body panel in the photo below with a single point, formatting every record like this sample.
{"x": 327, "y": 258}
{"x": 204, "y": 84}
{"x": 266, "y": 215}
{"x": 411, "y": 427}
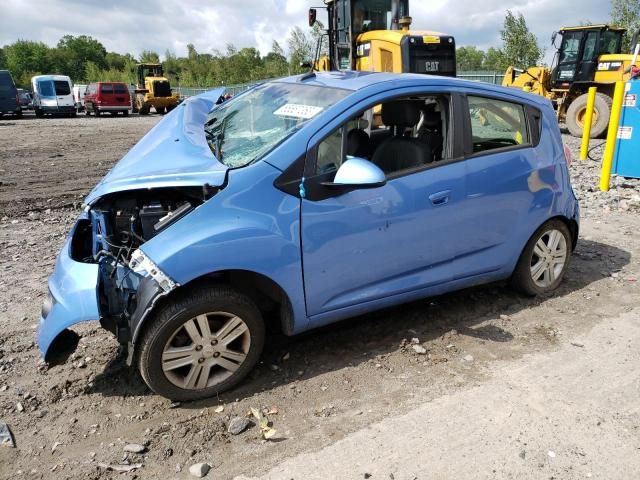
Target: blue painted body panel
{"x": 424, "y": 233}
{"x": 626, "y": 162}
{"x": 173, "y": 153}
{"x": 73, "y": 290}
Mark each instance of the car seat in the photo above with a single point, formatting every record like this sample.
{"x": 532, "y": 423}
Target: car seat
{"x": 400, "y": 152}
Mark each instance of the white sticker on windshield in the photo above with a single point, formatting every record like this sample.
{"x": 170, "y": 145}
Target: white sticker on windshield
{"x": 295, "y": 110}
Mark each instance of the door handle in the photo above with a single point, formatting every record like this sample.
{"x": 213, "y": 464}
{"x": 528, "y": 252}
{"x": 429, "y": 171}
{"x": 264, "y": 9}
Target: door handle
{"x": 440, "y": 198}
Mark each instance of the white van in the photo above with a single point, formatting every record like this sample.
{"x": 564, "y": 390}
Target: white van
{"x": 53, "y": 94}
{"x": 78, "y": 96}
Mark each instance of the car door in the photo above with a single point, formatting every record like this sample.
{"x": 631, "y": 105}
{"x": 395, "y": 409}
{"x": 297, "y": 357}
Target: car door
{"x": 500, "y": 175}
{"x": 372, "y": 244}
{"x": 64, "y": 97}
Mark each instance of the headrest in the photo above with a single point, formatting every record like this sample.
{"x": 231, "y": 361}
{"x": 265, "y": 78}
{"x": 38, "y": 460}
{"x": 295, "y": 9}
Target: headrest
{"x": 402, "y": 113}
{"x": 431, "y": 118}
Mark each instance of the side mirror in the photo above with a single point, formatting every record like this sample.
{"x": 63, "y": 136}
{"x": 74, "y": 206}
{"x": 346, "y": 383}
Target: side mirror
{"x": 357, "y": 173}
{"x": 312, "y": 17}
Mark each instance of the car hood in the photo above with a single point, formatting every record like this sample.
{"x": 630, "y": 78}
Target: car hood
{"x": 174, "y": 153}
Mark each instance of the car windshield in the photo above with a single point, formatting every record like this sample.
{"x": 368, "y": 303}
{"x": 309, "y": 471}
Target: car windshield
{"x": 244, "y": 129}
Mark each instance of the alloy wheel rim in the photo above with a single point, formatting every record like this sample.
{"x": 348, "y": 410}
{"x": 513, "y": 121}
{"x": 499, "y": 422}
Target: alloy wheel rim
{"x": 206, "y": 350}
{"x": 549, "y": 258}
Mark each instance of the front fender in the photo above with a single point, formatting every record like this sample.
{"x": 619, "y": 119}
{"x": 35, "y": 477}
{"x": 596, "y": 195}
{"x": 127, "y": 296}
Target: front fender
{"x": 249, "y": 225}
{"x": 72, "y": 295}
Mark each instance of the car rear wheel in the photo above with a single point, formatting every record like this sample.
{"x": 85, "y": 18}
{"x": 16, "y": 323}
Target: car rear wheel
{"x": 125, "y": 113}
{"x": 544, "y": 260}
{"x": 161, "y": 110}
{"x": 202, "y": 343}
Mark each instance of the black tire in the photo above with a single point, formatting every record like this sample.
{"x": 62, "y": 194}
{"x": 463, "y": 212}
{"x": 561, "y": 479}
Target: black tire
{"x": 18, "y": 114}
{"x": 39, "y": 113}
{"x": 601, "y": 114}
{"x": 97, "y": 112}
{"x": 169, "y": 319}
{"x": 125, "y": 113}
{"x": 161, "y": 110}
{"x": 521, "y": 279}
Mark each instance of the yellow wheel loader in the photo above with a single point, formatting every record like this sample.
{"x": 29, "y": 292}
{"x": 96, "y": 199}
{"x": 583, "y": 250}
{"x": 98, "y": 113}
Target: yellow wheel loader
{"x": 588, "y": 56}
{"x": 374, "y": 36}
{"x": 153, "y": 90}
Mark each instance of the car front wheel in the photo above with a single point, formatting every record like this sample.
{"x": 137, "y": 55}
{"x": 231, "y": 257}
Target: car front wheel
{"x": 544, "y": 260}
{"x": 202, "y": 343}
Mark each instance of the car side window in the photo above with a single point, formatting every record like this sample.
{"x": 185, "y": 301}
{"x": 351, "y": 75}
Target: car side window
{"x": 496, "y": 124}
{"x": 399, "y": 135}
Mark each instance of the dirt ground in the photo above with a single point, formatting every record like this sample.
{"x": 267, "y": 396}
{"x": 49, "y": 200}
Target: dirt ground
{"x": 510, "y": 387}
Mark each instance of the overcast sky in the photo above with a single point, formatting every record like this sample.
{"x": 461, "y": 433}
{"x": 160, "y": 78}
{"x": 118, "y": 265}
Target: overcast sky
{"x": 132, "y": 26}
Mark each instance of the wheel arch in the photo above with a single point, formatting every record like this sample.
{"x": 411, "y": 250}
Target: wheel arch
{"x": 270, "y": 298}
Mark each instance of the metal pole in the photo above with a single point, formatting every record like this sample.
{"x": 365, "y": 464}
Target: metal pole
{"x": 588, "y": 118}
{"x": 614, "y": 120}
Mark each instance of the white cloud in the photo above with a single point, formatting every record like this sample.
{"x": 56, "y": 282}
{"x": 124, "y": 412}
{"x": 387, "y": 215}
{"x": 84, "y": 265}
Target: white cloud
{"x": 132, "y": 26}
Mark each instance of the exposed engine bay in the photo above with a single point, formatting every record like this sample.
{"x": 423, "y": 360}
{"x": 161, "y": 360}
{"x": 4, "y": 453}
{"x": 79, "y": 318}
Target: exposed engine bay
{"x": 123, "y": 222}
{"x": 117, "y": 225}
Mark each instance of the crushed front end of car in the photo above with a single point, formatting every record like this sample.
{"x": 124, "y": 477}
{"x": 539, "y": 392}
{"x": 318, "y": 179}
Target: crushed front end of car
{"x": 101, "y": 273}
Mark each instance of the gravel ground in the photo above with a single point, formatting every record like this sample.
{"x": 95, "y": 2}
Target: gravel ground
{"x": 74, "y": 420}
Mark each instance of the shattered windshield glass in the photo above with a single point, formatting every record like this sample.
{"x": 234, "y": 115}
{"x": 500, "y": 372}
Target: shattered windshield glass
{"x": 244, "y": 129}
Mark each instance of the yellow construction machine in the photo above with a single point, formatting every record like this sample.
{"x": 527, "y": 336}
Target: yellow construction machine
{"x": 153, "y": 90}
{"x": 374, "y": 36}
{"x": 588, "y": 56}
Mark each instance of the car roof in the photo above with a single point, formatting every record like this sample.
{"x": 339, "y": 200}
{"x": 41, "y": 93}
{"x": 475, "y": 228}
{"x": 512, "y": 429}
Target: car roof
{"x": 51, "y": 77}
{"x": 352, "y": 80}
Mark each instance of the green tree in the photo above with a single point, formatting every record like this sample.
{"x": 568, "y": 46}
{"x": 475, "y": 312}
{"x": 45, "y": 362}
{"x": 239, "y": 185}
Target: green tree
{"x": 494, "y": 60}
{"x": 301, "y": 49}
{"x": 147, "y": 56}
{"x": 519, "y": 45}
{"x": 75, "y": 52}
{"x": 25, "y": 58}
{"x": 626, "y": 14}
{"x": 469, "y": 58}
{"x": 275, "y": 63}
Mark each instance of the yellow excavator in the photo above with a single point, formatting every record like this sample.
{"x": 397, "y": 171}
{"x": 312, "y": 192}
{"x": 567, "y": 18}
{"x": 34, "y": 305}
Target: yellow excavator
{"x": 374, "y": 36}
{"x": 153, "y": 90}
{"x": 587, "y": 56}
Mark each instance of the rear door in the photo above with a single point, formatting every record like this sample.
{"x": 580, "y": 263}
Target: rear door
{"x": 7, "y": 93}
{"x": 64, "y": 96}
{"x": 114, "y": 95}
{"x": 501, "y": 176}
{"x": 121, "y": 95}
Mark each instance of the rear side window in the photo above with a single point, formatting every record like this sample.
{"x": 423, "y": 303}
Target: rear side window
{"x": 496, "y": 124}
{"x": 106, "y": 88}
{"x": 62, "y": 87}
{"x": 6, "y": 83}
{"x": 120, "y": 89}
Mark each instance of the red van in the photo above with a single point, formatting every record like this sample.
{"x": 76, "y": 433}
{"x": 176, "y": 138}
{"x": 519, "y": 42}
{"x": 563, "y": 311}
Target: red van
{"x": 112, "y": 97}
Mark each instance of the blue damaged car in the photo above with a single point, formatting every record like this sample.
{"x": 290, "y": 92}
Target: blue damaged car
{"x": 309, "y": 199}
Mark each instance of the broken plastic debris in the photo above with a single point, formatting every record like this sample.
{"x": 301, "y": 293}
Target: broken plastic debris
{"x": 219, "y": 409}
{"x": 6, "y": 437}
{"x": 263, "y": 423}
{"x": 121, "y": 468}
